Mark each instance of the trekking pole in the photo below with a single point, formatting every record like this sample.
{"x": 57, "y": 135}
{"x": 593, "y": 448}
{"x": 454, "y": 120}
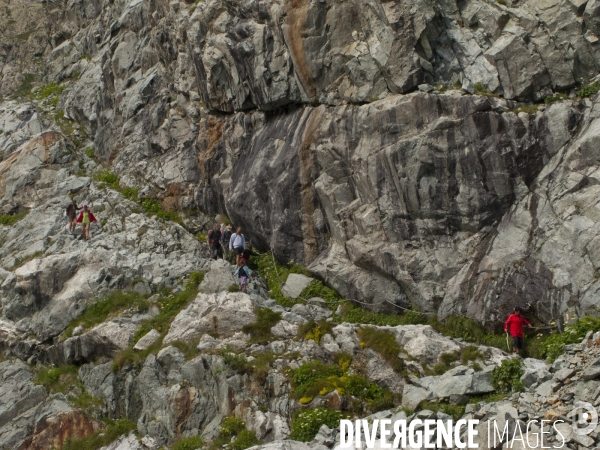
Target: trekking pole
{"x": 507, "y": 344}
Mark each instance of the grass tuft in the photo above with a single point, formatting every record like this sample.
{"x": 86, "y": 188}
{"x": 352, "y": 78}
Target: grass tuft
{"x": 385, "y": 344}
{"x": 11, "y": 219}
{"x": 260, "y": 331}
{"x": 100, "y": 311}
{"x": 189, "y": 443}
{"x": 101, "y": 438}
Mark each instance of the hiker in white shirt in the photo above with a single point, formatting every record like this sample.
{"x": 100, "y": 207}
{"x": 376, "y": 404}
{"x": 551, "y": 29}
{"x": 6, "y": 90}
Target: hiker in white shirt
{"x": 237, "y": 243}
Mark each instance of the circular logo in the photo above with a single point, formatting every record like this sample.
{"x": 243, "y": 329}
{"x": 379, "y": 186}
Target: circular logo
{"x": 584, "y": 417}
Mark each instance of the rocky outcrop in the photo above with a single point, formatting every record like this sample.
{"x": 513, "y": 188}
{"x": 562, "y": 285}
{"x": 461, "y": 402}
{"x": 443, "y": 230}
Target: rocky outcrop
{"x": 30, "y": 418}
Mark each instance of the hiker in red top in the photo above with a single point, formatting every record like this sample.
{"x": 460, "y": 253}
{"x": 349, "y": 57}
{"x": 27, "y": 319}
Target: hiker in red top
{"x": 85, "y": 219}
{"x": 514, "y": 326}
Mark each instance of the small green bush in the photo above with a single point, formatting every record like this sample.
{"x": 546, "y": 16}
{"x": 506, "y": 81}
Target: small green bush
{"x": 48, "y": 90}
{"x": 314, "y": 330}
{"x": 260, "y": 331}
{"x": 103, "y": 437}
{"x": 11, "y": 219}
{"x": 446, "y": 359}
{"x": 233, "y": 435}
{"x": 552, "y": 345}
{"x": 385, "y": 344}
{"x": 131, "y": 193}
{"x": 588, "y": 90}
{"x": 317, "y": 289}
{"x": 506, "y": 377}
{"x": 355, "y": 314}
{"x": 57, "y": 379}
{"x": 470, "y": 353}
{"x": 189, "y": 443}
{"x": 233, "y": 288}
{"x": 305, "y": 378}
{"x": 245, "y": 439}
{"x": 306, "y": 424}
{"x": 110, "y": 179}
{"x": 554, "y": 98}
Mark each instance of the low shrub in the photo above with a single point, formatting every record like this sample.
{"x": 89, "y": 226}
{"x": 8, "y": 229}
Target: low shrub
{"x": 233, "y": 435}
{"x": 306, "y": 424}
{"x": 189, "y": 443}
{"x": 555, "y": 98}
{"x": 589, "y": 89}
{"x": 506, "y": 377}
{"x": 552, "y": 345}
{"x": 108, "y": 178}
{"x": 314, "y": 330}
{"x": 11, "y": 219}
{"x": 383, "y": 343}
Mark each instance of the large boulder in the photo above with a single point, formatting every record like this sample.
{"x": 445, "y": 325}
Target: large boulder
{"x": 223, "y": 313}
{"x": 295, "y": 284}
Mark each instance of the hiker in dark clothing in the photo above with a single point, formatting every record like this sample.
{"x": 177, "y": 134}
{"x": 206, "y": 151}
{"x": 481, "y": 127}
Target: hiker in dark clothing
{"x": 214, "y": 241}
{"x": 71, "y": 213}
{"x": 514, "y": 326}
{"x": 237, "y": 243}
{"x": 225, "y": 237}
{"x": 247, "y": 253}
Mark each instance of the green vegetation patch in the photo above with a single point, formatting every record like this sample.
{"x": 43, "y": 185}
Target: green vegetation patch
{"x": 551, "y": 346}
{"x": 111, "y": 304}
{"x": 506, "y": 377}
{"x": 50, "y": 90}
{"x": 170, "y": 306}
{"x": 317, "y": 378}
{"x": 589, "y": 89}
{"x": 11, "y": 219}
{"x": 64, "y": 379}
{"x": 354, "y": 314}
{"x": 108, "y": 178}
{"x": 258, "y": 368}
{"x": 189, "y": 443}
{"x": 555, "y": 98}
{"x": 260, "y": 331}
{"x": 317, "y": 289}
{"x": 306, "y": 424}
{"x": 233, "y": 435}
{"x": 480, "y": 89}
{"x": 385, "y": 344}
{"x": 314, "y": 330}
{"x": 275, "y": 275}
{"x": 101, "y": 438}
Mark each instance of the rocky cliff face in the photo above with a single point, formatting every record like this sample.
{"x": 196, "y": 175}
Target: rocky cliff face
{"x": 302, "y": 122}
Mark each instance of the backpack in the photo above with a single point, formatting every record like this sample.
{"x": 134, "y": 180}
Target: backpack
{"x": 214, "y": 235}
{"x": 226, "y": 236}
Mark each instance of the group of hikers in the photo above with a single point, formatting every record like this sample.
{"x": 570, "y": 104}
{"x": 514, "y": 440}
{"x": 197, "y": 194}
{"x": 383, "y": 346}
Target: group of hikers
{"x": 85, "y": 218}
{"x": 223, "y": 242}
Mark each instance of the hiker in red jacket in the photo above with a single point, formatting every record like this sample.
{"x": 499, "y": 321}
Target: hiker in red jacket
{"x": 514, "y": 326}
{"x": 85, "y": 219}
